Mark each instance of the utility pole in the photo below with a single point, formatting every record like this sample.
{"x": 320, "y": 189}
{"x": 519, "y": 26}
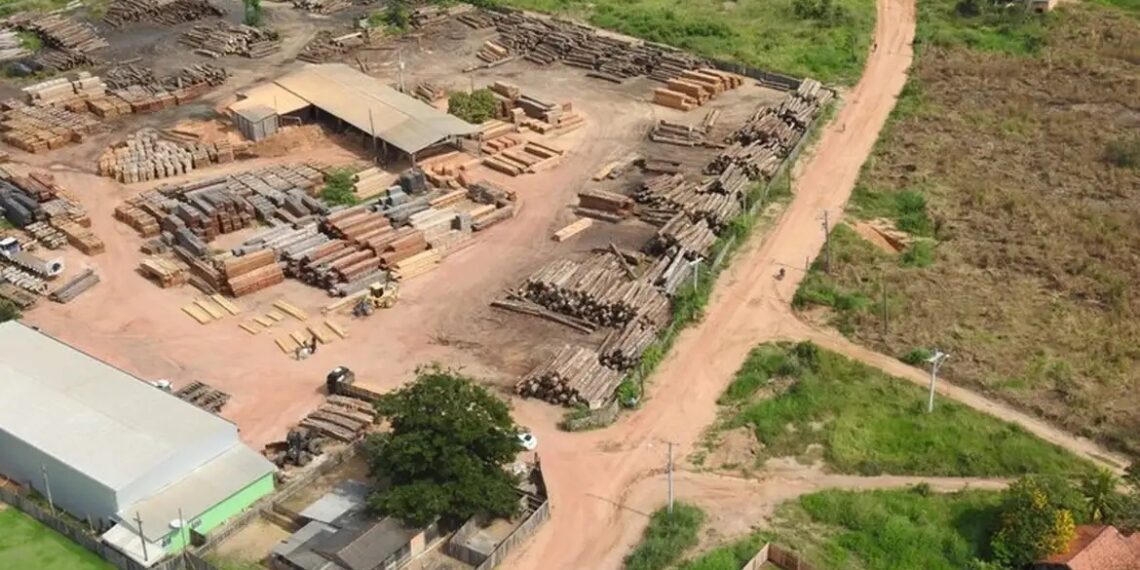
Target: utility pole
{"x": 670, "y": 477}
{"x": 47, "y": 488}
{"x": 400, "y": 58}
{"x": 142, "y": 538}
{"x": 935, "y": 361}
{"x": 696, "y": 273}
{"x": 182, "y": 532}
{"x": 883, "y": 289}
{"x": 826, "y": 243}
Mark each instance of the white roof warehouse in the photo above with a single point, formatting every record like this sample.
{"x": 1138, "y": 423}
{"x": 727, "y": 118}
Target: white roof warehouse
{"x": 109, "y": 447}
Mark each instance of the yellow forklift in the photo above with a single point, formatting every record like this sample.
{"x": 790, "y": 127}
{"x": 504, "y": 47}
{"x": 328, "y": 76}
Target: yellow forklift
{"x": 380, "y": 296}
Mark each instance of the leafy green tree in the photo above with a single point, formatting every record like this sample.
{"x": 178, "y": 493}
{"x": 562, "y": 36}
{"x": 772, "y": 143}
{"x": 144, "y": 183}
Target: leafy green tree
{"x": 398, "y": 15}
{"x": 338, "y": 188}
{"x": 1099, "y": 490}
{"x": 475, "y": 107}
{"x": 445, "y": 454}
{"x": 1035, "y": 522}
{"x": 252, "y": 15}
{"x": 8, "y": 311}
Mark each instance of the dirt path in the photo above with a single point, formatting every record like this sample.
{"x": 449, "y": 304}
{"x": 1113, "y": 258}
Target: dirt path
{"x": 592, "y": 475}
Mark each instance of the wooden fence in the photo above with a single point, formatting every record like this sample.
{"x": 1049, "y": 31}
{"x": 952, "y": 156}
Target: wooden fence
{"x": 777, "y": 556}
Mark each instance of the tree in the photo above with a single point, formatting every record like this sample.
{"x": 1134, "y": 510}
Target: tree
{"x": 445, "y": 454}
{"x": 398, "y": 15}
{"x": 1099, "y": 490}
{"x": 1035, "y": 521}
{"x": 8, "y": 311}
{"x": 475, "y": 107}
{"x": 252, "y": 15}
{"x": 338, "y": 188}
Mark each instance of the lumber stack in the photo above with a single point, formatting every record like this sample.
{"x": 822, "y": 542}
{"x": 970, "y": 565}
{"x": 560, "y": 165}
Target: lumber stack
{"x": 66, "y": 92}
{"x": 222, "y": 38}
{"x": 430, "y": 92}
{"x": 22, "y": 299}
{"x": 147, "y": 155}
{"x": 75, "y": 287}
{"x": 692, "y": 88}
{"x": 598, "y": 290}
{"x": 603, "y": 205}
{"x": 166, "y": 273}
{"x": 573, "y": 377}
{"x": 529, "y": 157}
{"x": 204, "y": 396}
{"x": 166, "y": 12}
{"x": 340, "y": 418}
{"x": 251, "y": 273}
{"x": 372, "y": 182}
{"x": 23, "y": 279}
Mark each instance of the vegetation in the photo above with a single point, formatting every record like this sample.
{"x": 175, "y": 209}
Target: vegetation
{"x": 25, "y": 543}
{"x": 229, "y": 563}
{"x": 825, "y": 39}
{"x": 252, "y": 12}
{"x": 8, "y": 311}
{"x": 338, "y": 188}
{"x": 30, "y": 41}
{"x": 444, "y": 457}
{"x": 732, "y": 556}
{"x": 890, "y": 529}
{"x": 475, "y": 107}
{"x": 1030, "y": 208}
{"x": 1124, "y": 153}
{"x": 870, "y": 423}
{"x": 398, "y": 14}
{"x": 1035, "y": 522}
{"x": 667, "y": 537}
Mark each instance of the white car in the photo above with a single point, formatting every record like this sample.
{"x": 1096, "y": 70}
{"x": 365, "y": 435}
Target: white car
{"x": 528, "y": 441}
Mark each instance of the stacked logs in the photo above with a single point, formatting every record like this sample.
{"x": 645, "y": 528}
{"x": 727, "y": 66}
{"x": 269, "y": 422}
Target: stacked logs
{"x": 603, "y": 205}
{"x": 145, "y": 155}
{"x": 623, "y": 347}
{"x": 685, "y": 135}
{"x": 694, "y": 87}
{"x": 223, "y": 38}
{"x": 61, "y": 32}
{"x": 573, "y": 377}
{"x": 598, "y": 290}
{"x": 166, "y": 12}
{"x": 692, "y": 238}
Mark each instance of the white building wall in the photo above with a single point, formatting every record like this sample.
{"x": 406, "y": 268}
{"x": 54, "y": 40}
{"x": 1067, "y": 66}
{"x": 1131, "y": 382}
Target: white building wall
{"x": 70, "y": 490}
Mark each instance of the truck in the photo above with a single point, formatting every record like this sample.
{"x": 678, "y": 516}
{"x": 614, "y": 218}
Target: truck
{"x": 341, "y": 381}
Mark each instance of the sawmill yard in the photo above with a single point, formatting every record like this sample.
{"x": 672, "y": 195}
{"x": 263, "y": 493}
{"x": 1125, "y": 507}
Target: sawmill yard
{"x": 601, "y": 289}
{"x": 1010, "y": 167}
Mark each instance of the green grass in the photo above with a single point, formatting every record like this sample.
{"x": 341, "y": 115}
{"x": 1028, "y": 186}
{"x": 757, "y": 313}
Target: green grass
{"x": 765, "y": 34}
{"x": 869, "y": 423}
{"x": 732, "y": 556}
{"x": 25, "y": 543}
{"x": 666, "y": 538}
{"x": 906, "y": 529}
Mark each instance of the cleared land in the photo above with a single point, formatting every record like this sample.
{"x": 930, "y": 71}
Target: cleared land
{"x": 1010, "y": 155}
{"x": 25, "y": 543}
{"x": 797, "y": 397}
{"x": 827, "y": 40}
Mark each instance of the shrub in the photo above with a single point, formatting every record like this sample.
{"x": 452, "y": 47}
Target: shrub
{"x": 398, "y": 15}
{"x": 917, "y": 356}
{"x": 8, "y": 311}
{"x": 252, "y": 15}
{"x": 338, "y": 188}
{"x": 920, "y": 254}
{"x": 668, "y": 536}
{"x": 475, "y": 107}
{"x": 1124, "y": 153}
{"x": 1035, "y": 522}
{"x": 912, "y": 216}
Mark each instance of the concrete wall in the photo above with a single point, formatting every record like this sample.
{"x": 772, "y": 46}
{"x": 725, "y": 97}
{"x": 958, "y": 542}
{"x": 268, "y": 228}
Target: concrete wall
{"x": 71, "y": 490}
{"x": 222, "y": 512}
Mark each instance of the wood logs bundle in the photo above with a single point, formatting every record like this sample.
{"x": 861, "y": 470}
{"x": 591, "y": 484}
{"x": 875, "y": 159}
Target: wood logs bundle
{"x": 222, "y": 38}
{"x": 574, "y": 376}
{"x": 75, "y": 287}
{"x": 598, "y": 290}
{"x": 61, "y": 32}
{"x": 673, "y": 269}
{"x": 692, "y": 238}
{"x": 429, "y": 92}
{"x": 341, "y": 418}
{"x": 166, "y": 12}
{"x": 251, "y": 273}
{"x": 686, "y": 135}
{"x": 603, "y": 205}
{"x": 64, "y": 60}
{"x": 146, "y": 155}
{"x": 11, "y": 46}
{"x": 544, "y": 41}
{"x": 166, "y": 273}
{"x": 623, "y": 347}
{"x": 322, "y": 6}
{"x": 692, "y": 88}
{"x": 424, "y": 16}
{"x": 476, "y": 19}
{"x": 323, "y": 47}
{"x": 143, "y": 91}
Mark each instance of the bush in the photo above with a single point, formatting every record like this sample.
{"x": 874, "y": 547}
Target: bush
{"x": 476, "y": 107}
{"x": 823, "y": 11}
{"x": 1035, "y": 522}
{"x": 8, "y": 311}
{"x": 920, "y": 254}
{"x": 1124, "y": 153}
{"x": 667, "y": 538}
{"x": 917, "y": 356}
{"x": 398, "y": 15}
{"x": 338, "y": 188}
{"x": 252, "y": 15}
{"x": 912, "y": 216}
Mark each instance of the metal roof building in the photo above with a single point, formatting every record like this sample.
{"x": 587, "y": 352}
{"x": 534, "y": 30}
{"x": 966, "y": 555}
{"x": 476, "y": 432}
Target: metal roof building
{"x": 364, "y": 102}
{"x": 110, "y": 448}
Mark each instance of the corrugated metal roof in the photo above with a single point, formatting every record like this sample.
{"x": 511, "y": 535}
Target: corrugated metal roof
{"x": 92, "y": 416}
{"x": 347, "y": 496}
{"x": 269, "y": 95}
{"x": 373, "y": 107}
{"x": 201, "y": 489}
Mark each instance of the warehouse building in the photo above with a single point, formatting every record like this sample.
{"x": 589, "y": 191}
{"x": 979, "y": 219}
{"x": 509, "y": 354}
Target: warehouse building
{"x": 385, "y": 119}
{"x": 113, "y": 450}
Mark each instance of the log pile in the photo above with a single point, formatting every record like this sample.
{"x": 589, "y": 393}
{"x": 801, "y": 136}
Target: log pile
{"x": 166, "y": 12}
{"x": 686, "y": 135}
{"x": 694, "y": 87}
{"x": 75, "y": 287}
{"x": 323, "y": 47}
{"x": 424, "y": 16}
{"x": 64, "y": 60}
{"x": 341, "y": 418}
{"x": 598, "y": 290}
{"x": 61, "y": 32}
{"x": 574, "y": 376}
{"x": 222, "y": 38}
{"x": 429, "y": 92}
{"x": 622, "y": 348}
{"x": 543, "y": 41}
{"x": 322, "y": 6}
{"x": 251, "y": 273}
{"x": 143, "y": 91}
{"x": 146, "y": 155}
{"x": 11, "y": 47}
{"x": 475, "y": 19}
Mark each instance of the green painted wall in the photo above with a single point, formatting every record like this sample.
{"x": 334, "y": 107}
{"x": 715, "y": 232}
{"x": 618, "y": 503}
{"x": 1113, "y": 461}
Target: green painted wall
{"x": 222, "y": 511}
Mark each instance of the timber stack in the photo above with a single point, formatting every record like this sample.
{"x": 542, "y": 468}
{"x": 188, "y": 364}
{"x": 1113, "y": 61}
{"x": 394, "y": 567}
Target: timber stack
{"x": 250, "y": 273}
{"x": 692, "y": 88}
{"x": 686, "y": 135}
{"x": 146, "y": 155}
{"x": 222, "y": 38}
{"x": 424, "y": 16}
{"x": 11, "y": 46}
{"x": 75, "y": 287}
{"x": 600, "y": 290}
{"x": 341, "y": 418}
{"x": 323, "y": 47}
{"x": 61, "y": 32}
{"x": 61, "y": 60}
{"x": 603, "y": 205}
{"x": 166, "y": 12}
{"x": 322, "y": 6}
{"x": 573, "y": 377}
{"x": 45, "y": 211}
{"x": 622, "y": 348}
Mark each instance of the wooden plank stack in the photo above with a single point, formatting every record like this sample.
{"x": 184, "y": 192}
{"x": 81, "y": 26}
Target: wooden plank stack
{"x": 203, "y": 396}
{"x": 222, "y": 38}
{"x": 573, "y": 377}
{"x": 322, "y": 6}
{"x": 694, "y": 87}
{"x": 251, "y": 273}
{"x": 147, "y": 155}
{"x": 341, "y": 418}
{"x": 75, "y": 286}
{"x": 603, "y": 205}
{"x": 166, "y": 273}
{"x": 166, "y": 12}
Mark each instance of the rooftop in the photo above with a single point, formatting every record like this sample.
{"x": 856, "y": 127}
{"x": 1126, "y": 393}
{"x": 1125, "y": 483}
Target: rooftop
{"x": 1100, "y": 548}
{"x": 53, "y": 392}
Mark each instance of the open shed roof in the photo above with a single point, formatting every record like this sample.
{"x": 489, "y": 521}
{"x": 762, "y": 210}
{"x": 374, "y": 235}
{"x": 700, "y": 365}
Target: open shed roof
{"x": 373, "y": 107}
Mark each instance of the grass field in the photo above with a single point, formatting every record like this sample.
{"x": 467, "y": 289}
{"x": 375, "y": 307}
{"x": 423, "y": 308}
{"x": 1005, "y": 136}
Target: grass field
{"x": 825, "y": 39}
{"x": 26, "y": 544}
{"x": 796, "y": 396}
{"x": 1014, "y": 151}
{"x": 666, "y": 538}
{"x": 905, "y": 529}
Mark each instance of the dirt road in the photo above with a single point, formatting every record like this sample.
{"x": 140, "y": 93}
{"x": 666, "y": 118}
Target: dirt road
{"x": 592, "y": 475}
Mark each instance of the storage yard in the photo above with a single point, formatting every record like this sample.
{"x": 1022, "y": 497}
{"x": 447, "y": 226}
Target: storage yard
{"x": 540, "y": 249}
